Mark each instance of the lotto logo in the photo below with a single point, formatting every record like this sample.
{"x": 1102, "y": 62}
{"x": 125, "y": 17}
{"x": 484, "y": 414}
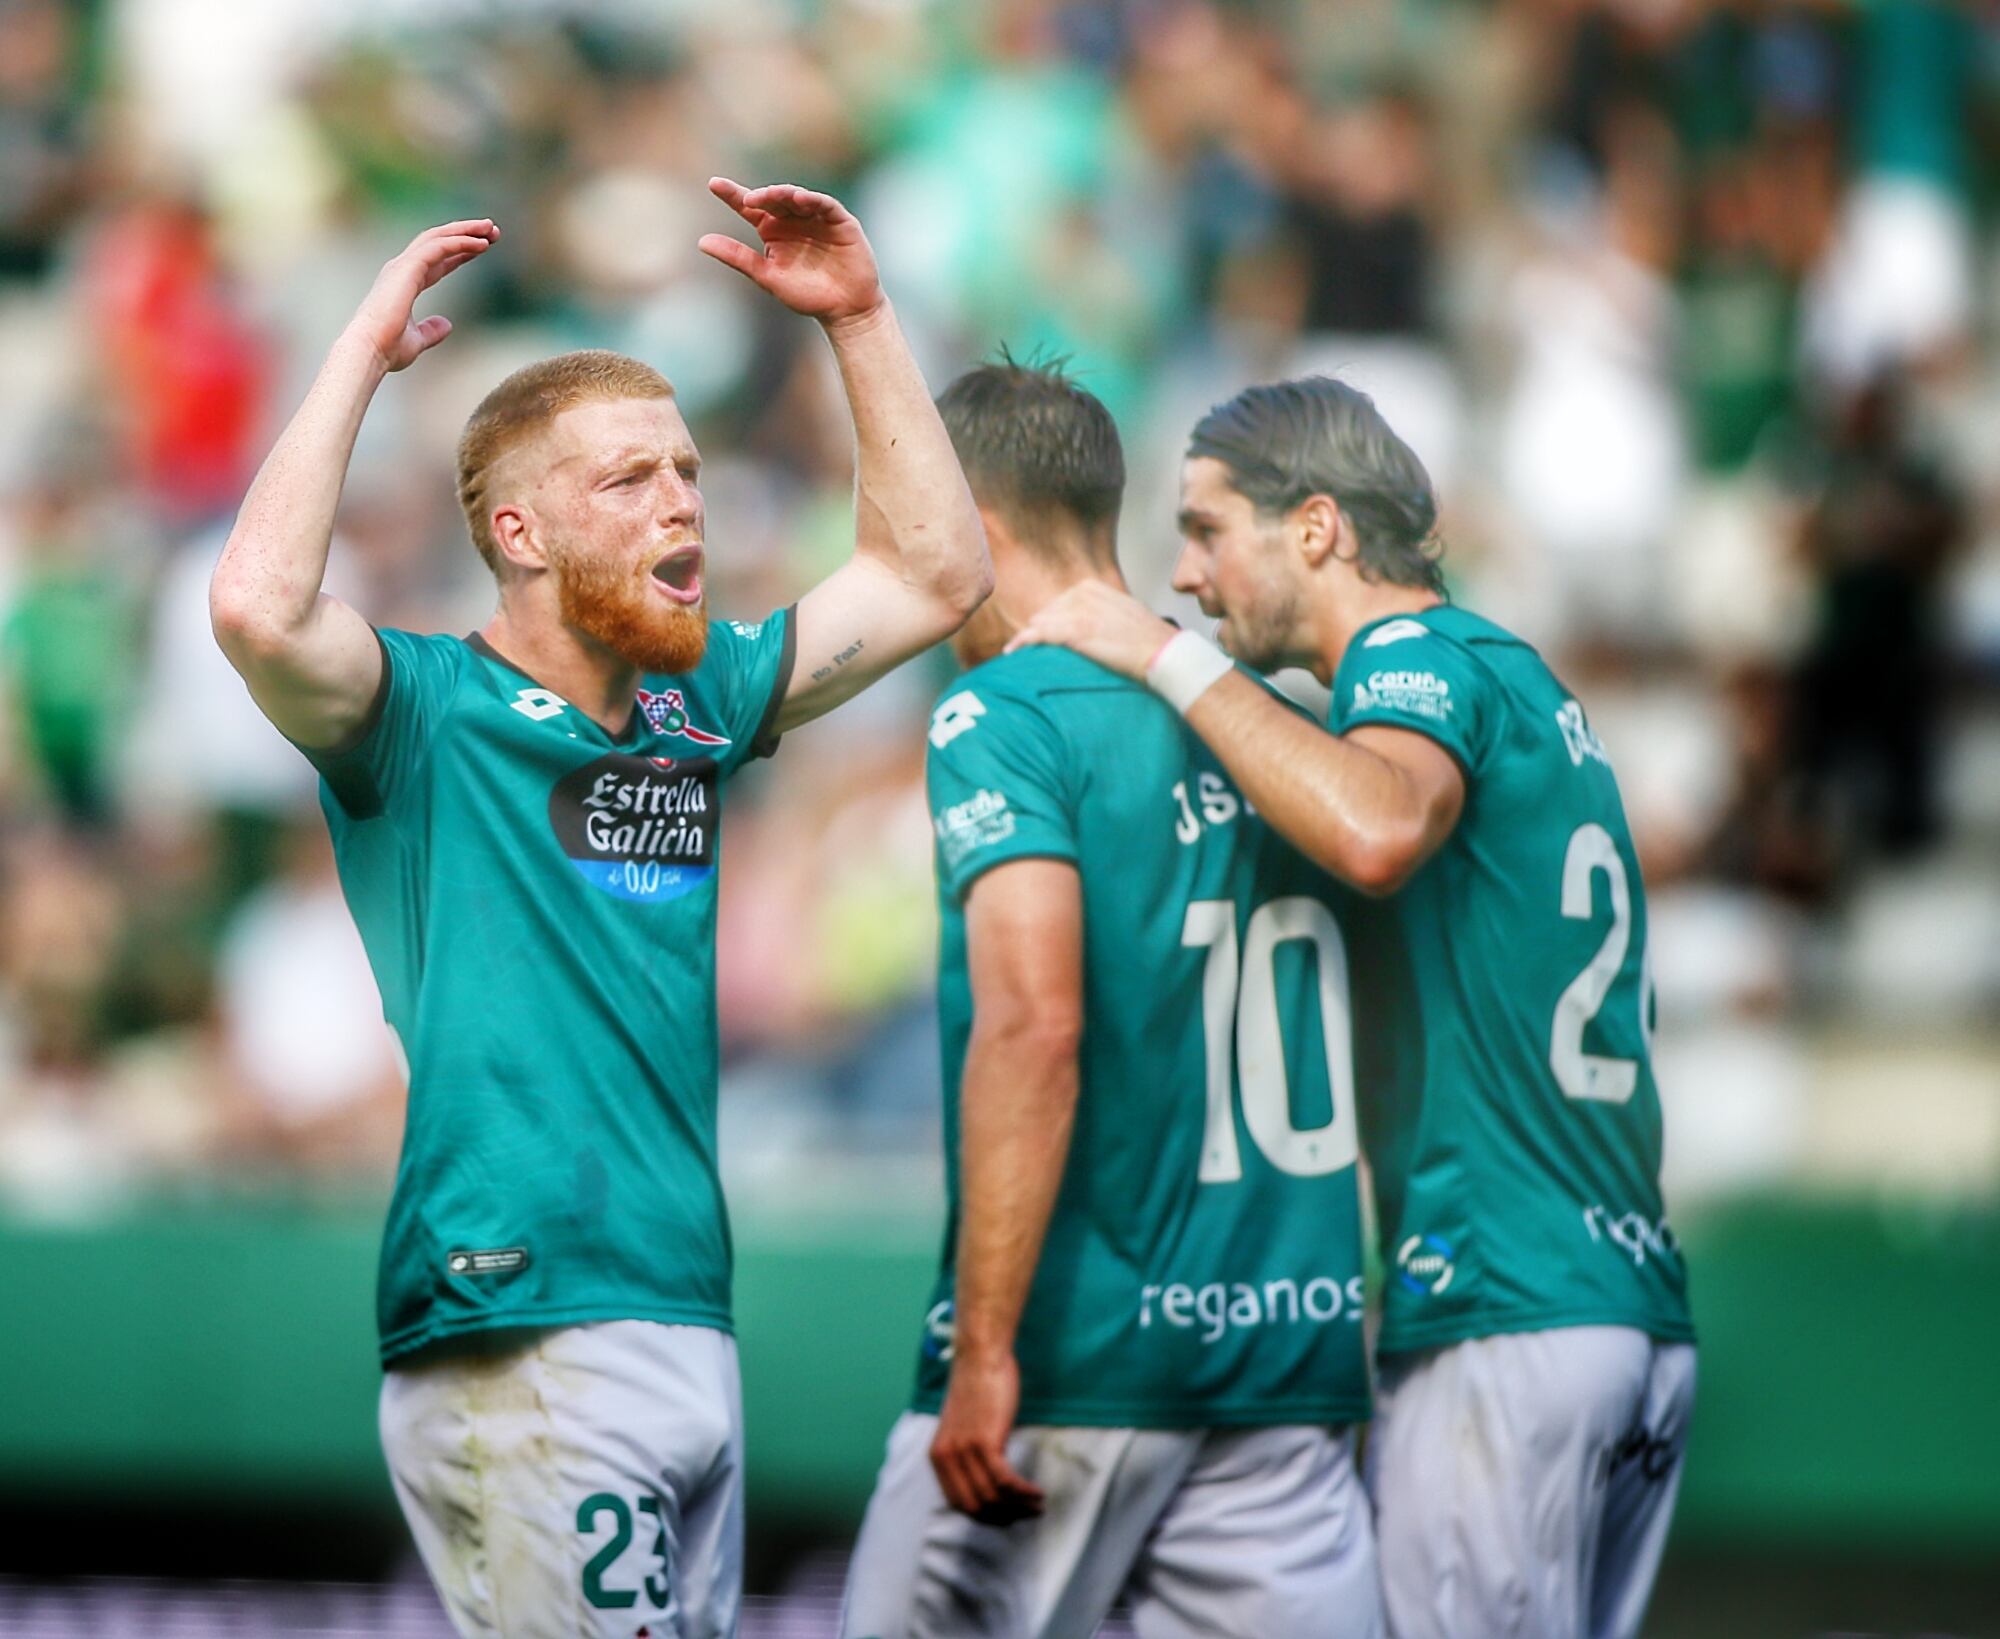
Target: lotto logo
{"x": 955, "y": 717}
{"x": 539, "y": 704}
{"x": 1394, "y": 631}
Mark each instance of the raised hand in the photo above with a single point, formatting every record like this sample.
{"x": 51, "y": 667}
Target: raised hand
{"x": 386, "y": 320}
{"x": 815, "y": 259}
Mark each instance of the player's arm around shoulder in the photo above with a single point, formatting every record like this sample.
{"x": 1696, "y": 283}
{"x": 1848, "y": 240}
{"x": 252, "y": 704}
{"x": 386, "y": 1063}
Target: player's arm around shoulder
{"x": 1369, "y": 806}
{"x": 920, "y": 565}
{"x": 312, "y": 664}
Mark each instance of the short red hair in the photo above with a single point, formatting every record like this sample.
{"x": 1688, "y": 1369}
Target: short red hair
{"x": 525, "y": 403}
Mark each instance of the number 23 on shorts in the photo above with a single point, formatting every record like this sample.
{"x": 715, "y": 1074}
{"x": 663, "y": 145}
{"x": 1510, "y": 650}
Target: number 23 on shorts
{"x": 589, "y": 1513}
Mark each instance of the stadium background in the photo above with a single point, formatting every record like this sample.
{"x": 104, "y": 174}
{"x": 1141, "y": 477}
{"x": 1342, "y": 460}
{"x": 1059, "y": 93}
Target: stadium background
{"x": 1686, "y": 304}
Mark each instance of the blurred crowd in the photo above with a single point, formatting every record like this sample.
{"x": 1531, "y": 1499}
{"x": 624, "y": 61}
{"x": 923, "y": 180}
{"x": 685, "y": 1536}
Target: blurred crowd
{"x": 1685, "y": 303}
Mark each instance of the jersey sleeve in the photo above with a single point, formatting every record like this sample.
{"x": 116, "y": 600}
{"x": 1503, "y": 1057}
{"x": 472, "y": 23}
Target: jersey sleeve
{"x": 995, "y": 772}
{"x": 753, "y": 665}
{"x": 1403, "y": 675}
{"x": 384, "y": 758}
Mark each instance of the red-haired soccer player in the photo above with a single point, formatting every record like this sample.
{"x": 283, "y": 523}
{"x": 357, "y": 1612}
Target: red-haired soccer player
{"x": 527, "y": 828}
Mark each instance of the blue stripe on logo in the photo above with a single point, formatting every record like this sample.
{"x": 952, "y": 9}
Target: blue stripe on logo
{"x": 647, "y": 881}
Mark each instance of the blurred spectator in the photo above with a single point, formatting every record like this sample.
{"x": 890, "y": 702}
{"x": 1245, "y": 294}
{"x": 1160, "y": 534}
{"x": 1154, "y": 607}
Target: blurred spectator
{"x": 1869, "y": 688}
{"x": 74, "y": 1131}
{"x": 1677, "y": 301}
{"x": 314, "y": 1078}
{"x": 185, "y": 371}
{"x": 43, "y": 124}
{"x": 1591, "y": 458}
{"x": 1739, "y": 339}
{"x": 201, "y": 743}
{"x": 1357, "y": 190}
{"x": 1896, "y": 287}
{"x": 60, "y": 922}
{"x": 66, "y": 641}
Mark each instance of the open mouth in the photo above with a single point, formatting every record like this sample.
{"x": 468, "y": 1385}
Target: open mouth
{"x": 678, "y": 574}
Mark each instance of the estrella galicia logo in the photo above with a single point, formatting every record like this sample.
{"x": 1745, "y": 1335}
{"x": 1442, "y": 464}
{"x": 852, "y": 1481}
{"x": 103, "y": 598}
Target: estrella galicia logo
{"x": 639, "y": 827}
{"x": 1426, "y": 1265}
{"x": 940, "y": 1332}
{"x": 667, "y": 713}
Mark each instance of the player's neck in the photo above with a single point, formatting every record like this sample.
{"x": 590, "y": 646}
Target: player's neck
{"x": 1023, "y": 589}
{"x": 1360, "y": 604}
{"x": 1044, "y": 584}
{"x": 589, "y": 676}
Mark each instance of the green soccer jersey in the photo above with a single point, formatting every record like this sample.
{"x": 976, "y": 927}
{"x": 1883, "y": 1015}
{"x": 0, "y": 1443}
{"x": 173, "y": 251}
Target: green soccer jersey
{"x": 1518, "y": 1177}
{"x": 1202, "y": 1266}
{"x": 537, "y": 897}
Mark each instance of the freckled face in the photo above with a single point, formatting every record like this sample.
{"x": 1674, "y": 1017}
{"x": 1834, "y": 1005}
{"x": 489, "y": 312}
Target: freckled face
{"x": 1235, "y": 565}
{"x": 623, "y": 528}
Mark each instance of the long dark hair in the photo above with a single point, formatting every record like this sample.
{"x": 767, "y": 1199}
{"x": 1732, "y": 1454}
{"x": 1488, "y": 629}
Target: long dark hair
{"x": 1290, "y": 440}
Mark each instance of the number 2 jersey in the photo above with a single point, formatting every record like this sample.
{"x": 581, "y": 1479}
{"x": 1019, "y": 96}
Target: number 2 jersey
{"x": 537, "y": 898}
{"x": 1203, "y": 1263}
{"x": 1518, "y": 1178}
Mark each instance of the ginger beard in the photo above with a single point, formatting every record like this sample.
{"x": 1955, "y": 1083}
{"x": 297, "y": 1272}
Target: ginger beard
{"x": 614, "y": 604}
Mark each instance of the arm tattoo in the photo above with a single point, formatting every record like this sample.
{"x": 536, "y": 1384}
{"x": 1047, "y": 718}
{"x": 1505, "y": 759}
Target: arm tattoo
{"x": 838, "y": 661}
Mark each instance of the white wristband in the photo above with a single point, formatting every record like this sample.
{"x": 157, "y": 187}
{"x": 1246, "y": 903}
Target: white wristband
{"x": 1184, "y": 669}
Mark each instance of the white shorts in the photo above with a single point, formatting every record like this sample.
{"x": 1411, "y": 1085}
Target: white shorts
{"x": 587, "y": 1482}
{"x": 1256, "y": 1531}
{"x": 1523, "y": 1483}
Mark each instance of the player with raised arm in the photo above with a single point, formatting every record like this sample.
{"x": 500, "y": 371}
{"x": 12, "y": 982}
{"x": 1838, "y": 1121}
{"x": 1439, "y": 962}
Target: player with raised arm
{"x": 1144, "y": 1349}
{"x": 526, "y": 822}
{"x": 1537, "y": 1359}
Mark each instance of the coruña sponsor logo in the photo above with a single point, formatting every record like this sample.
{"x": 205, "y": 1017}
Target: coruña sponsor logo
{"x": 642, "y": 828}
{"x": 1424, "y": 694}
{"x": 978, "y": 822}
{"x": 1406, "y": 682}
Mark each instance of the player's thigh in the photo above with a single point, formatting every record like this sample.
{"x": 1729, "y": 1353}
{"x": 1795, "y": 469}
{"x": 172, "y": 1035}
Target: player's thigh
{"x": 583, "y": 1483}
{"x": 1487, "y": 1464}
{"x": 705, "y": 1487}
{"x": 1268, "y": 1533}
{"x": 922, "y": 1570}
{"x": 1645, "y": 1477}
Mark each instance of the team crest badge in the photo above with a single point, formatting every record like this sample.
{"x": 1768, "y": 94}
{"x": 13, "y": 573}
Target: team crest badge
{"x": 668, "y": 715}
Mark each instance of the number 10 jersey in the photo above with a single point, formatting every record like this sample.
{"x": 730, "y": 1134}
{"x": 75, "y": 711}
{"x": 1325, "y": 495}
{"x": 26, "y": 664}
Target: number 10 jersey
{"x": 1203, "y": 1266}
{"x": 1518, "y": 1177}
